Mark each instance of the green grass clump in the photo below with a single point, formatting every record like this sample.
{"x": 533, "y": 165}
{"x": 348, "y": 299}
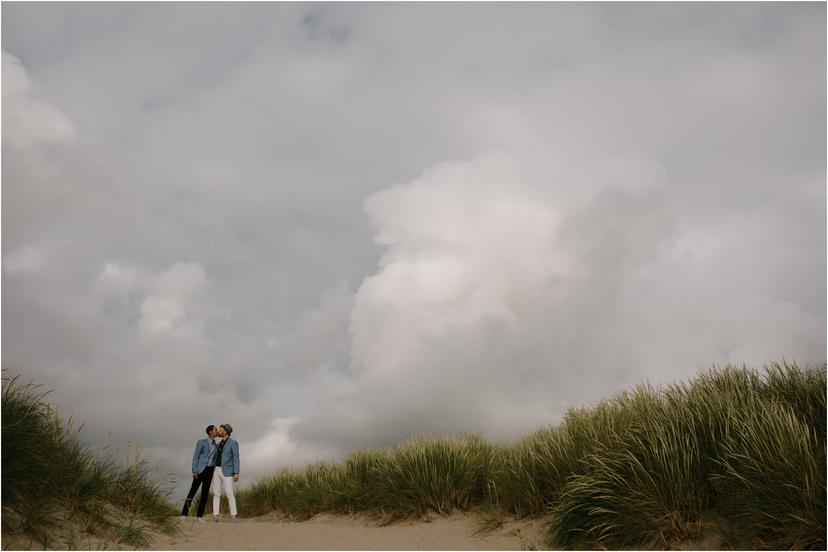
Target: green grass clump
{"x": 733, "y": 454}
{"x": 641, "y": 484}
{"x": 300, "y": 494}
{"x": 771, "y": 479}
{"x": 735, "y": 457}
{"x": 420, "y": 476}
{"x": 428, "y": 474}
{"x": 56, "y": 489}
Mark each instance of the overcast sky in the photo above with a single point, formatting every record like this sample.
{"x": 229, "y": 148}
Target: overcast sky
{"x": 337, "y": 225}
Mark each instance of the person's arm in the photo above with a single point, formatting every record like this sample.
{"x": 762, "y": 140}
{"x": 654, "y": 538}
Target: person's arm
{"x": 236, "y": 463}
{"x": 195, "y": 458}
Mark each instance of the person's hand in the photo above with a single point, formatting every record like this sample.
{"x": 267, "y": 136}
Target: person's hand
{"x": 195, "y": 475}
{"x": 235, "y": 477}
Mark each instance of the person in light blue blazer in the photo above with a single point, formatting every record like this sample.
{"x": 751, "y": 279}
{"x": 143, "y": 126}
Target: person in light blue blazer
{"x": 204, "y": 463}
{"x": 227, "y": 472}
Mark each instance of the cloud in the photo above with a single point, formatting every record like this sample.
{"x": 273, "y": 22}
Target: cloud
{"x": 485, "y": 285}
{"x": 275, "y": 450}
{"x": 174, "y": 304}
{"x": 33, "y": 257}
{"x": 119, "y": 338}
{"x": 318, "y": 342}
{"x": 28, "y": 121}
{"x": 494, "y": 309}
{"x": 333, "y": 226}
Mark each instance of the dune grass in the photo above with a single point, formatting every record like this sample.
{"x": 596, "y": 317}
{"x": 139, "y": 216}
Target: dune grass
{"x": 736, "y": 454}
{"x": 57, "y": 492}
{"x": 420, "y": 476}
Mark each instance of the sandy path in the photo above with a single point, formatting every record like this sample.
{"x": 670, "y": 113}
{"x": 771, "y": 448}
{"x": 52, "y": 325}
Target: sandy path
{"x": 328, "y": 532}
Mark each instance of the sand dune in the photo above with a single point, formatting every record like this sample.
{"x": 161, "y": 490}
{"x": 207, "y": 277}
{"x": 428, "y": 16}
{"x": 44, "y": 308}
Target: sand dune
{"x": 329, "y": 532}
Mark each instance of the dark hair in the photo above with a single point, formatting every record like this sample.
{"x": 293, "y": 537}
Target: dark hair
{"x": 210, "y": 428}
{"x": 228, "y": 428}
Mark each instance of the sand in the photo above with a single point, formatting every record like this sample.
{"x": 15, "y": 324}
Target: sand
{"x": 329, "y": 532}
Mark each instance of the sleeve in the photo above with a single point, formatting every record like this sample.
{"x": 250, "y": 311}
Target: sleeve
{"x": 195, "y": 455}
{"x": 236, "y": 462}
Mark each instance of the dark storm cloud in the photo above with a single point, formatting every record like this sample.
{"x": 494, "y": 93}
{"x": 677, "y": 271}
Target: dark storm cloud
{"x": 336, "y": 225}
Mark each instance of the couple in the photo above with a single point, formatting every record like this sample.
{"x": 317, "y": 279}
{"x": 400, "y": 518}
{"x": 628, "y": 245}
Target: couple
{"x": 207, "y": 457}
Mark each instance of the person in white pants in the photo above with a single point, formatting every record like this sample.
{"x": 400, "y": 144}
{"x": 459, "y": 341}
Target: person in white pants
{"x": 227, "y": 471}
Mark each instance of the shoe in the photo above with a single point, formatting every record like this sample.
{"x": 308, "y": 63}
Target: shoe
{"x": 234, "y": 520}
{"x": 182, "y": 518}
{"x": 200, "y": 520}
{"x": 215, "y": 518}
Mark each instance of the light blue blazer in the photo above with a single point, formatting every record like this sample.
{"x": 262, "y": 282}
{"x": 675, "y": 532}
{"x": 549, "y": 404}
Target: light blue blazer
{"x": 230, "y": 457}
{"x": 201, "y": 455}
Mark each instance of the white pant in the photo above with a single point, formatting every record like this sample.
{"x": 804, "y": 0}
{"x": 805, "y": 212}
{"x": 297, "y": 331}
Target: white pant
{"x": 226, "y": 481}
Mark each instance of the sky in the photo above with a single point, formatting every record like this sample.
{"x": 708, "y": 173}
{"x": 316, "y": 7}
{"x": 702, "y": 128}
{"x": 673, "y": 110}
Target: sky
{"x": 336, "y": 226}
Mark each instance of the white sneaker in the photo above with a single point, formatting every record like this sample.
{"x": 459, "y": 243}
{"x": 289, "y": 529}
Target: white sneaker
{"x": 182, "y": 518}
{"x": 215, "y": 518}
{"x": 201, "y": 520}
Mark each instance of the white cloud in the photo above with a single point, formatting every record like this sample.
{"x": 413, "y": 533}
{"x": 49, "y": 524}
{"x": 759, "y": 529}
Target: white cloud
{"x": 466, "y": 243}
{"x": 276, "y": 450}
{"x": 495, "y": 309}
{"x": 175, "y": 304}
{"x": 118, "y": 278}
{"x": 28, "y": 121}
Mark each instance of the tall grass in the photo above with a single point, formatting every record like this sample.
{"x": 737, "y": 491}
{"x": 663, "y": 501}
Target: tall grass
{"x": 420, "y": 476}
{"x": 735, "y": 454}
{"x": 771, "y": 475}
{"x": 55, "y": 488}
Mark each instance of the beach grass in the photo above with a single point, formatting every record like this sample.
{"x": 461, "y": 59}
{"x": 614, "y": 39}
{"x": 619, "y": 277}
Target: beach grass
{"x": 57, "y": 492}
{"x": 422, "y": 475}
{"x": 736, "y": 456}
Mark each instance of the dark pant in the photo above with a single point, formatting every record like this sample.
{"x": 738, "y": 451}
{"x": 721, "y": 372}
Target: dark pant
{"x": 204, "y": 479}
